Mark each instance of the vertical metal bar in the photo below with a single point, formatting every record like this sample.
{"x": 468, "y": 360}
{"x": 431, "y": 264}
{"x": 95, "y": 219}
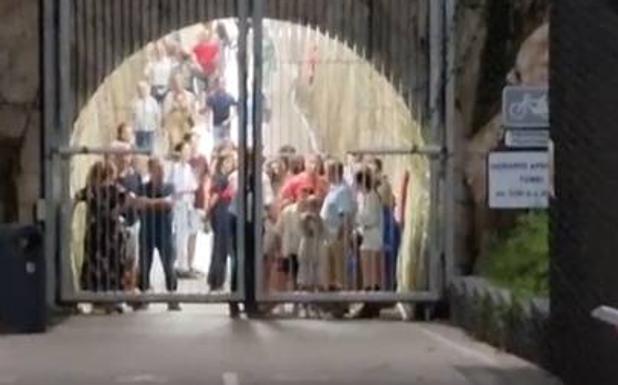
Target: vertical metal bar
{"x": 211, "y": 11}
{"x": 48, "y": 37}
{"x": 97, "y": 44}
{"x": 183, "y": 16}
{"x": 65, "y": 118}
{"x": 142, "y": 12}
{"x": 79, "y": 21}
{"x": 435, "y": 121}
{"x": 243, "y": 14}
{"x": 450, "y": 142}
{"x": 258, "y": 207}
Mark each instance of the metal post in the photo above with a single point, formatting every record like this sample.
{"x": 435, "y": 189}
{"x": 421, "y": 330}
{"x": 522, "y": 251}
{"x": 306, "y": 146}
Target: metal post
{"x": 243, "y": 14}
{"x": 436, "y": 60}
{"x": 64, "y": 133}
{"x": 449, "y": 125}
{"x": 48, "y": 76}
{"x": 258, "y": 207}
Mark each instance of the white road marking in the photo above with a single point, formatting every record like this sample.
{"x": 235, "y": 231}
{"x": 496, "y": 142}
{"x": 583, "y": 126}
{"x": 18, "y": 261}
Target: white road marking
{"x": 230, "y": 378}
{"x": 314, "y": 379}
{"x": 141, "y": 378}
{"x": 463, "y": 350}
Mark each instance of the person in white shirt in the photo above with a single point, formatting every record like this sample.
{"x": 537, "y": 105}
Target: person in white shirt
{"x": 338, "y": 212}
{"x": 146, "y": 117}
{"x": 186, "y": 218}
{"x": 158, "y": 72}
{"x": 369, "y": 220}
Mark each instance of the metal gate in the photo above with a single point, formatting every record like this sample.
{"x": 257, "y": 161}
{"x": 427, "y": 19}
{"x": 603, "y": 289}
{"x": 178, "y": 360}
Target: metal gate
{"x": 406, "y": 44}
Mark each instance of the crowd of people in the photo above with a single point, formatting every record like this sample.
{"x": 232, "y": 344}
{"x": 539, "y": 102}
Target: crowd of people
{"x": 328, "y": 224}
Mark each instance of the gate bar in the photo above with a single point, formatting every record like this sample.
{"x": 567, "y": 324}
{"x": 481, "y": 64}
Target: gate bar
{"x": 449, "y": 127}
{"x": 257, "y": 206}
{"x": 352, "y": 297}
{"x": 431, "y": 150}
{"x": 86, "y": 150}
{"x": 118, "y": 297}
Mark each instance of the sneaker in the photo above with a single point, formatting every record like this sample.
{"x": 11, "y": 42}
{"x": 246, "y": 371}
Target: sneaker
{"x": 404, "y": 311}
{"x": 366, "y": 311}
{"x": 173, "y": 306}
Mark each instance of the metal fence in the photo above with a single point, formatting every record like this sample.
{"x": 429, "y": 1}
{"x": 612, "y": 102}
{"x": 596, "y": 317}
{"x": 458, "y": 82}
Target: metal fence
{"x": 315, "y": 83}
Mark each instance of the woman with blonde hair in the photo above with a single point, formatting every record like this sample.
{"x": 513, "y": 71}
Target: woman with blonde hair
{"x": 178, "y": 113}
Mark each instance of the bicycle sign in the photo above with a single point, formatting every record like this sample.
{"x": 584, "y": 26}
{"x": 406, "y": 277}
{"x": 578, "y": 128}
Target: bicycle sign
{"x": 525, "y": 107}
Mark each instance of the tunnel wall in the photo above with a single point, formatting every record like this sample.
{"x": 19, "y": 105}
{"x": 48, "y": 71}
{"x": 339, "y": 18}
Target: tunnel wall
{"x": 19, "y": 110}
{"x": 584, "y": 221}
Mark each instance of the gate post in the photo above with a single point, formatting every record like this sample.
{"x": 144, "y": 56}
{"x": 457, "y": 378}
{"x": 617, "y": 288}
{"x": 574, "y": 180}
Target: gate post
{"x": 436, "y": 122}
{"x": 48, "y": 68}
{"x": 452, "y": 155}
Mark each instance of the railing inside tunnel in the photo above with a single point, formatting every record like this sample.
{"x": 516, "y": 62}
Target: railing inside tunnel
{"x": 306, "y": 96}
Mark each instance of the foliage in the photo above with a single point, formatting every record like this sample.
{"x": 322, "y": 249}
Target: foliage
{"x": 519, "y": 259}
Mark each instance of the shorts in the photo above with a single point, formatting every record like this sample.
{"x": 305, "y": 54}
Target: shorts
{"x": 288, "y": 265}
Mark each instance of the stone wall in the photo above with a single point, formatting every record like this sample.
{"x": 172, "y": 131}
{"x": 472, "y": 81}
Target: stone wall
{"x": 493, "y": 39}
{"x": 19, "y": 110}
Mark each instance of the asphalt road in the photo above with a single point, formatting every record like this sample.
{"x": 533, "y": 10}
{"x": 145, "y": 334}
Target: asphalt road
{"x": 202, "y": 346}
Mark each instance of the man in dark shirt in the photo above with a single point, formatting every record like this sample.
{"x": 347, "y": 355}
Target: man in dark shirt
{"x": 156, "y": 231}
{"x": 219, "y": 104}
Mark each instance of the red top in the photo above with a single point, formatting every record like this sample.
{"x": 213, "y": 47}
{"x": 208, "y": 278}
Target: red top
{"x": 199, "y": 164}
{"x": 207, "y": 54}
{"x": 291, "y": 187}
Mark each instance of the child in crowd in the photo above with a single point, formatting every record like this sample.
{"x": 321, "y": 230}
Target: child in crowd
{"x": 289, "y": 229}
{"x": 312, "y": 251}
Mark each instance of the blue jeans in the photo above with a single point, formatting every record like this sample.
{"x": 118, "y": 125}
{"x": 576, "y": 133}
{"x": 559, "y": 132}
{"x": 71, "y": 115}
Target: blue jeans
{"x": 144, "y": 140}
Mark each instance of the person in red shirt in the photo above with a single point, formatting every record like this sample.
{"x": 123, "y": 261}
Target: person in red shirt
{"x": 207, "y": 54}
{"x": 310, "y": 177}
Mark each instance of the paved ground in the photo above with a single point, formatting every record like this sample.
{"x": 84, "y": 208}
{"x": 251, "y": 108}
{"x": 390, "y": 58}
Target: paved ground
{"x": 202, "y": 346}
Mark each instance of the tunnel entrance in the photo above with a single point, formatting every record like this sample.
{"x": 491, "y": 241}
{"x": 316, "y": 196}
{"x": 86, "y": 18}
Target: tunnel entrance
{"x": 345, "y": 87}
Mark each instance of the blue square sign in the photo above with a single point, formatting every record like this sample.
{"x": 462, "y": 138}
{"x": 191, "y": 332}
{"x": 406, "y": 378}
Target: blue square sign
{"x": 525, "y": 107}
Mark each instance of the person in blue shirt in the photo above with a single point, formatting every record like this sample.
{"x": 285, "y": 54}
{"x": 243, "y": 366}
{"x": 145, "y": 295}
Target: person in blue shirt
{"x": 156, "y": 231}
{"x": 219, "y": 104}
{"x": 338, "y": 212}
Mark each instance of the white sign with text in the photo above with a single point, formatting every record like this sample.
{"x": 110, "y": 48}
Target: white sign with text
{"x": 518, "y": 179}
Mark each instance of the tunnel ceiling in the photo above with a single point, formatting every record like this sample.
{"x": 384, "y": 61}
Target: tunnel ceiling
{"x": 392, "y": 34}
